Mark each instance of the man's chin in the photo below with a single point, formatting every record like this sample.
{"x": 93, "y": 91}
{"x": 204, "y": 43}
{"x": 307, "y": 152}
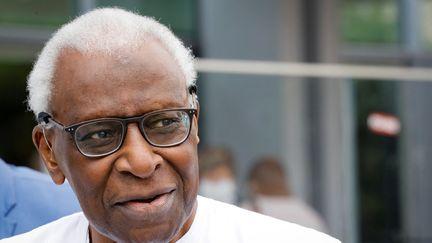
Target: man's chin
{"x": 156, "y": 233}
{"x": 148, "y": 229}
{"x": 164, "y": 219}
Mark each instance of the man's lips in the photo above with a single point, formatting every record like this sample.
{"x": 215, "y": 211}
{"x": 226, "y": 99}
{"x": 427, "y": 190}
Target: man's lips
{"x": 148, "y": 206}
{"x": 147, "y": 198}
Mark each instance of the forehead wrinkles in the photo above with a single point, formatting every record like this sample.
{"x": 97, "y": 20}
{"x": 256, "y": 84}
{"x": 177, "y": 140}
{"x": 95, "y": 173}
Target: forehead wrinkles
{"x": 80, "y": 77}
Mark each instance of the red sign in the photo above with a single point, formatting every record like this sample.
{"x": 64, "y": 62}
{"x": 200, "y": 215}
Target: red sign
{"x": 384, "y": 124}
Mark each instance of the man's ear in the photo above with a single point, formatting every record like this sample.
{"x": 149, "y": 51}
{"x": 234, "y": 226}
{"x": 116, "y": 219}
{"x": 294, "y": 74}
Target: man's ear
{"x": 198, "y": 108}
{"x": 42, "y": 142}
{"x": 196, "y": 120}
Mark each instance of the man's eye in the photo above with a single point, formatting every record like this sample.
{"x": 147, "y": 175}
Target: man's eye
{"x": 98, "y": 135}
{"x": 101, "y": 134}
{"x": 167, "y": 122}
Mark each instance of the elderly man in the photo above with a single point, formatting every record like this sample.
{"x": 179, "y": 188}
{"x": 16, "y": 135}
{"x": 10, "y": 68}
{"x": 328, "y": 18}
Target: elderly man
{"x": 118, "y": 116}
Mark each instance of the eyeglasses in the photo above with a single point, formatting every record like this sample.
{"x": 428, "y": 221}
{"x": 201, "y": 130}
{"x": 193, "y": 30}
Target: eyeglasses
{"x": 104, "y": 136}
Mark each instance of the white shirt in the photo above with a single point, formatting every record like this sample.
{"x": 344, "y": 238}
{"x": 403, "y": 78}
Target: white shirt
{"x": 214, "y": 222}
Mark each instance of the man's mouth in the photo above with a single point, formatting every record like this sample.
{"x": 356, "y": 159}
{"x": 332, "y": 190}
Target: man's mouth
{"x": 147, "y": 200}
{"x": 147, "y": 205}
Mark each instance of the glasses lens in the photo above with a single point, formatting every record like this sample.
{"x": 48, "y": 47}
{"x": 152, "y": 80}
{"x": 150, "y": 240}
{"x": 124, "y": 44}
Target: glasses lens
{"x": 99, "y": 137}
{"x": 166, "y": 128}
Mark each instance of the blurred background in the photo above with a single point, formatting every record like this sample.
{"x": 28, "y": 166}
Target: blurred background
{"x": 355, "y": 148}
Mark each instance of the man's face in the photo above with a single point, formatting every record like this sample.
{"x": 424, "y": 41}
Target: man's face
{"x": 140, "y": 193}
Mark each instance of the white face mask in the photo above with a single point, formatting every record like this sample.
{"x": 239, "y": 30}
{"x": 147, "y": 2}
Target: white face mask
{"x": 223, "y": 190}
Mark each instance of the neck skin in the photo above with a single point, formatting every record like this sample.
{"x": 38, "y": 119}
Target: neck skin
{"x": 96, "y": 237}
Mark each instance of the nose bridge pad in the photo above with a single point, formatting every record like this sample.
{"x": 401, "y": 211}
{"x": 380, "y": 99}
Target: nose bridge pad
{"x": 137, "y": 155}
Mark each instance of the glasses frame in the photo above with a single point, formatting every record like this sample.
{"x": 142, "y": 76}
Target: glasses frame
{"x": 45, "y": 118}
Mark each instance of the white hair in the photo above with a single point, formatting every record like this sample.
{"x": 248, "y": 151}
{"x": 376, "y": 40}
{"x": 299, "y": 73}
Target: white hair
{"x": 103, "y": 30}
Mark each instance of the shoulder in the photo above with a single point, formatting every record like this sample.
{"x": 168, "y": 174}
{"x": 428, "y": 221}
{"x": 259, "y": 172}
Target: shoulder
{"x": 247, "y": 226}
{"x": 30, "y": 184}
{"x": 37, "y": 199}
{"x": 23, "y": 177}
{"x": 72, "y": 228}
{"x": 27, "y": 174}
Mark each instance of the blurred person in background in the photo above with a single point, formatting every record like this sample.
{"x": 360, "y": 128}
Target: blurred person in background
{"x": 272, "y": 196}
{"x": 29, "y": 199}
{"x": 217, "y": 177}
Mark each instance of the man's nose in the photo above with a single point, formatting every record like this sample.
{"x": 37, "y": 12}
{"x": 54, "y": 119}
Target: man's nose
{"x": 136, "y": 155}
